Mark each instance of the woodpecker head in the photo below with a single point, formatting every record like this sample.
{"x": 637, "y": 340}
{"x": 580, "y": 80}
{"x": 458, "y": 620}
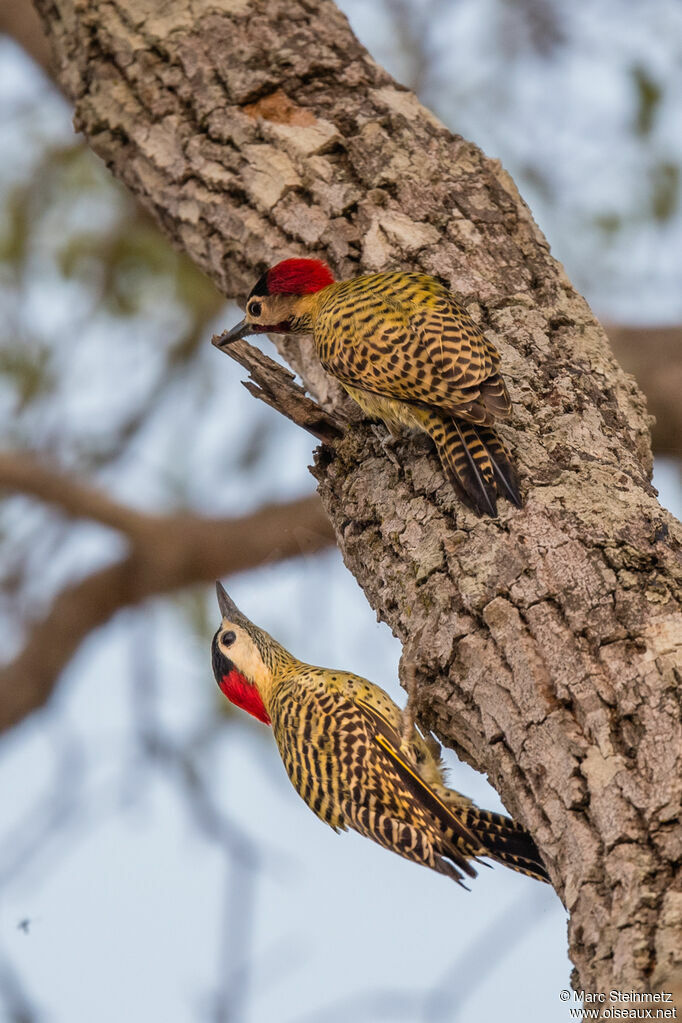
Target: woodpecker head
{"x": 242, "y": 656}
{"x": 279, "y": 301}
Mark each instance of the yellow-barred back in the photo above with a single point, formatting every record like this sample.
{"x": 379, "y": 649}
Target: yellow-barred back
{"x": 408, "y": 353}
{"x": 342, "y": 744}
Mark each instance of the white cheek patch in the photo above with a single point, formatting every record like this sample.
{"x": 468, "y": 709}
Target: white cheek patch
{"x": 244, "y": 654}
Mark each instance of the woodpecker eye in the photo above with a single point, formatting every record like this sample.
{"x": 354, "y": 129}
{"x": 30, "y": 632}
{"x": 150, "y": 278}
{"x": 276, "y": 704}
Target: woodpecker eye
{"x": 255, "y": 309}
{"x": 228, "y": 638}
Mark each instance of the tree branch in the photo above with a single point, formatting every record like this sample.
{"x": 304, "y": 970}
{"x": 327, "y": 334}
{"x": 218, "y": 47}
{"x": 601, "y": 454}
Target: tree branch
{"x": 21, "y": 22}
{"x": 552, "y": 636}
{"x": 21, "y": 472}
{"x": 654, "y": 356}
{"x": 167, "y": 552}
{"x": 277, "y": 387}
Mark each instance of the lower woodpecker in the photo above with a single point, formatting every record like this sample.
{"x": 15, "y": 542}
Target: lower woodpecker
{"x": 342, "y": 741}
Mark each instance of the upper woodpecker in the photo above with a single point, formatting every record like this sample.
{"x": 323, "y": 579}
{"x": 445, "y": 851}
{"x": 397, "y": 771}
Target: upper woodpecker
{"x": 348, "y": 754}
{"x": 408, "y": 353}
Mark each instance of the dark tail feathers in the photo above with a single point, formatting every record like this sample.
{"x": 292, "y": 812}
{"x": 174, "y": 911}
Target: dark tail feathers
{"x": 506, "y": 841}
{"x": 478, "y": 463}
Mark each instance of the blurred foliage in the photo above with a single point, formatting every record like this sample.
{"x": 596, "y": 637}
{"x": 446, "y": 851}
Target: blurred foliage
{"x": 28, "y": 372}
{"x": 70, "y": 209}
{"x": 665, "y": 190}
{"x": 531, "y": 26}
{"x": 648, "y": 96}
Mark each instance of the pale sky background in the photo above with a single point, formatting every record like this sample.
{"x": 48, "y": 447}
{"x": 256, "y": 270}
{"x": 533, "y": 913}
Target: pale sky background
{"x": 135, "y": 913}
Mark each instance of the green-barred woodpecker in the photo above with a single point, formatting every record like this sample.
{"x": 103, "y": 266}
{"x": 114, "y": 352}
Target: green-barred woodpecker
{"x": 408, "y": 353}
{"x": 343, "y": 744}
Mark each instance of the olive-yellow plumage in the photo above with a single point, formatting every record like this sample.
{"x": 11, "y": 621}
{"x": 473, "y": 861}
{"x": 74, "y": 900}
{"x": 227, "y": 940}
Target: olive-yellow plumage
{"x": 342, "y": 742}
{"x": 408, "y": 353}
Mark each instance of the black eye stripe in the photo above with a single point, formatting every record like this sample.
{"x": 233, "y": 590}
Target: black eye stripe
{"x": 228, "y": 638}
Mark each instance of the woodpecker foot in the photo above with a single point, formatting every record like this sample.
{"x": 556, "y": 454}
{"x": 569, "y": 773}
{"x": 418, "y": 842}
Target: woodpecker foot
{"x": 410, "y": 679}
{"x": 410, "y": 709}
{"x": 388, "y": 441}
{"x": 434, "y": 747}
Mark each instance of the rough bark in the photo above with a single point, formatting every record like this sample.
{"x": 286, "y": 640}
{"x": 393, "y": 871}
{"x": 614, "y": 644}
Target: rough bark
{"x": 550, "y": 651}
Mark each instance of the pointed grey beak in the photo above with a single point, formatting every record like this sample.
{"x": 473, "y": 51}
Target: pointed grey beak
{"x": 242, "y": 329}
{"x": 228, "y": 608}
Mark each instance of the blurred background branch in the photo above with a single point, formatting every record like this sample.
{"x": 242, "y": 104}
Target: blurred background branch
{"x": 168, "y": 552}
{"x": 21, "y": 23}
{"x": 654, "y": 357}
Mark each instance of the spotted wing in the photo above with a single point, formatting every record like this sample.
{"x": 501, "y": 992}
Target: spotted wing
{"x": 389, "y": 741}
{"x": 465, "y": 826}
{"x": 419, "y": 347}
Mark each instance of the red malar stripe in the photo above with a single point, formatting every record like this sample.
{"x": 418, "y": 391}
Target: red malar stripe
{"x": 242, "y": 693}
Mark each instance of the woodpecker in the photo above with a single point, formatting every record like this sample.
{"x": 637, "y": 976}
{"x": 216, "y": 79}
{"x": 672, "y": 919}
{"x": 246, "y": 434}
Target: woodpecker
{"x": 348, "y": 755}
{"x": 408, "y": 353}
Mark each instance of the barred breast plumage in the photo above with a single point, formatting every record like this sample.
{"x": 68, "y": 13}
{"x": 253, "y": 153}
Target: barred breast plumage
{"x": 342, "y": 744}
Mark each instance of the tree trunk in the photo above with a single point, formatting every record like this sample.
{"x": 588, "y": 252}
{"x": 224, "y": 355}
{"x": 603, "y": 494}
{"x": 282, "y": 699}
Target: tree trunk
{"x": 551, "y": 642}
